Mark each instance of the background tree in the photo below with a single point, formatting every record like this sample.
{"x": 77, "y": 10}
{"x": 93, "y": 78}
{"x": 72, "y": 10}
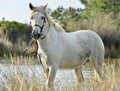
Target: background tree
{"x": 67, "y": 17}
{"x": 15, "y": 30}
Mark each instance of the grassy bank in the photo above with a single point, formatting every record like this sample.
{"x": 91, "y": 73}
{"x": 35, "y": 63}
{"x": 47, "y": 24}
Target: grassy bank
{"x": 17, "y": 80}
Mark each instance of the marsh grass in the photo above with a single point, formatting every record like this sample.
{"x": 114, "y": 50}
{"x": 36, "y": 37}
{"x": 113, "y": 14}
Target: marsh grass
{"x": 7, "y": 48}
{"x": 18, "y": 80}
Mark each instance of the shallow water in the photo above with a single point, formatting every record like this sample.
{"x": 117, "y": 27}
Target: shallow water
{"x": 64, "y": 76}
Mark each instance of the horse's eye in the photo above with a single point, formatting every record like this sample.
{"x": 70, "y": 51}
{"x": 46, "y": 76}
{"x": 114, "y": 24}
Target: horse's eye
{"x": 42, "y": 18}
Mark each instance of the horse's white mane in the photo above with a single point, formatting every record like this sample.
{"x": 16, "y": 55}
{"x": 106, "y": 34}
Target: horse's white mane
{"x": 53, "y": 23}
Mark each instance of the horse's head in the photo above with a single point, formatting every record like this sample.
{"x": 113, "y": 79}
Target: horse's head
{"x": 38, "y": 20}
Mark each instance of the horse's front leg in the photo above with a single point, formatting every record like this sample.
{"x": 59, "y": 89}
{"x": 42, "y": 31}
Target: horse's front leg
{"x": 51, "y": 76}
{"x": 45, "y": 68}
{"x": 47, "y": 72}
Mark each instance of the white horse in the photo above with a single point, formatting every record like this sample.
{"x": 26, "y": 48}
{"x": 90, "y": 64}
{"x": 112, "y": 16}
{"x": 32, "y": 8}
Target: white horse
{"x": 59, "y": 49}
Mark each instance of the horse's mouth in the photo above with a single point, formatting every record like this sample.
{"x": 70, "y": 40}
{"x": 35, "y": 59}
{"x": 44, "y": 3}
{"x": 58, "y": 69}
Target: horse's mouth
{"x": 36, "y": 37}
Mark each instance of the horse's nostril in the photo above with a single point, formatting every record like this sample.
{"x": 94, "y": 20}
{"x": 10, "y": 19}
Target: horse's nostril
{"x": 38, "y": 35}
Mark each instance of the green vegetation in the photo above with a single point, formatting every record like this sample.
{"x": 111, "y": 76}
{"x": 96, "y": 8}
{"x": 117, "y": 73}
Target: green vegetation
{"x": 14, "y": 30}
{"x": 92, "y": 9}
{"x": 14, "y": 36}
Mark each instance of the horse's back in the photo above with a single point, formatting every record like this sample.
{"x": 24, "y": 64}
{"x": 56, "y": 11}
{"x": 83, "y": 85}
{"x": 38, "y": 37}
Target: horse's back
{"x": 90, "y": 36}
{"x": 94, "y": 43}
{"x": 90, "y": 42}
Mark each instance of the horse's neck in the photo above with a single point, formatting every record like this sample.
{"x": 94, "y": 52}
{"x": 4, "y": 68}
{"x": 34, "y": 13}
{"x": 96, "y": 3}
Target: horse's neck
{"x": 51, "y": 40}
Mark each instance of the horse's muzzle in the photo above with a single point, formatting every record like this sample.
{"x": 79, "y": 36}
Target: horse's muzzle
{"x": 35, "y": 35}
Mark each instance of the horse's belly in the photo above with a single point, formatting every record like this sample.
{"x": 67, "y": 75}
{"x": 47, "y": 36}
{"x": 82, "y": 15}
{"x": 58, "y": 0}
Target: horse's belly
{"x": 70, "y": 64}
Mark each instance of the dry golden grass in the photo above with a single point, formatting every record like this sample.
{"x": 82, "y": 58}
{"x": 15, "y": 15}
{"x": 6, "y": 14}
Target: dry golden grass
{"x": 17, "y": 81}
{"x": 101, "y": 23}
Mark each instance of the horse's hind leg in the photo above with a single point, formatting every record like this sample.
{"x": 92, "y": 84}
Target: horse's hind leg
{"x": 79, "y": 74}
{"x": 98, "y": 66}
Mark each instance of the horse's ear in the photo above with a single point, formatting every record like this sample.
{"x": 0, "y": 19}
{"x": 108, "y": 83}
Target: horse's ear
{"x": 31, "y": 6}
{"x": 45, "y": 7}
